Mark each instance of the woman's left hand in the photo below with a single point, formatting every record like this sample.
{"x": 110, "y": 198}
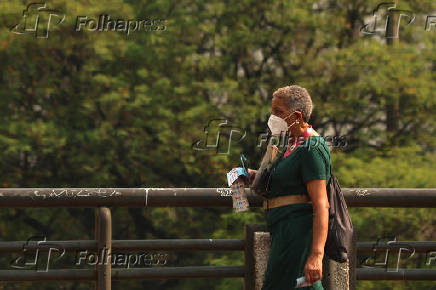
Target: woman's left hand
{"x": 252, "y": 174}
{"x": 313, "y": 268}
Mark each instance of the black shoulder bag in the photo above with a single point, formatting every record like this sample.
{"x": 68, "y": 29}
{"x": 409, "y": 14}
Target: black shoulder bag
{"x": 340, "y": 228}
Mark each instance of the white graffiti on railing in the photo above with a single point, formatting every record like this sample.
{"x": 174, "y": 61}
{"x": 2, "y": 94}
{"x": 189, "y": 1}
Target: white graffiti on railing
{"x": 224, "y": 191}
{"x": 75, "y": 193}
{"x": 361, "y": 192}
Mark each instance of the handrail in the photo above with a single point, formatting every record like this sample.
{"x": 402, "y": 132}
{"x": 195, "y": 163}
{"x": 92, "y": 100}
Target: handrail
{"x": 195, "y": 197}
{"x": 129, "y": 245}
{"x": 102, "y": 198}
{"x": 124, "y": 274}
{"x": 400, "y": 274}
{"x": 190, "y": 245}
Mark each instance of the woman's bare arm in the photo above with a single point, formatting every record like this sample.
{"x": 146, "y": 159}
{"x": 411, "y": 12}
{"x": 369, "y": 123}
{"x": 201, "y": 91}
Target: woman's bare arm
{"x": 317, "y": 191}
{"x": 318, "y": 194}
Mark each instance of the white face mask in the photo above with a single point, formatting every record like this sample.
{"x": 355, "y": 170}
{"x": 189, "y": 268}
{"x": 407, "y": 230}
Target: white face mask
{"x": 278, "y": 125}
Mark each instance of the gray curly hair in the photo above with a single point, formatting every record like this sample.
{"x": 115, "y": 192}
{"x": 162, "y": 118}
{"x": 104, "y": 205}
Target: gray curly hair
{"x": 297, "y": 99}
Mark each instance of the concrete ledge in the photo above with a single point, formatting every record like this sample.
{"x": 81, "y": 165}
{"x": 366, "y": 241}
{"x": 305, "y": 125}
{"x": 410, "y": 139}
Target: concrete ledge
{"x": 335, "y": 275}
{"x": 261, "y": 247}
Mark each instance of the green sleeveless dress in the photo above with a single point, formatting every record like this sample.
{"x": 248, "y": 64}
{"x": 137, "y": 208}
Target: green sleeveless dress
{"x": 291, "y": 226}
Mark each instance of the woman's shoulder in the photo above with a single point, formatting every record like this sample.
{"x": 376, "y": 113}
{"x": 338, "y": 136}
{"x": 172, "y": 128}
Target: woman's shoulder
{"x": 315, "y": 141}
{"x": 316, "y": 146}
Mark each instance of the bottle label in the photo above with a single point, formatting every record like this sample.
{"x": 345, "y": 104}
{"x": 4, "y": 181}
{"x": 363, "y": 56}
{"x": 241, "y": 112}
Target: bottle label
{"x": 239, "y": 197}
{"x": 233, "y": 174}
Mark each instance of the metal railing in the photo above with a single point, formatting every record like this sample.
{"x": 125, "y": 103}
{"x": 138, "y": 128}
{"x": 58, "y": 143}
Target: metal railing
{"x": 194, "y": 197}
{"x": 102, "y": 198}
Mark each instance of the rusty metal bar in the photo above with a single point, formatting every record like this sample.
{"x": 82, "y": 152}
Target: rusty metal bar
{"x": 419, "y": 247}
{"x": 97, "y": 236}
{"x": 352, "y": 260}
{"x": 18, "y": 246}
{"x": 401, "y": 274}
{"x": 72, "y": 197}
{"x": 177, "y": 272}
{"x": 104, "y": 245}
{"x": 130, "y": 245}
{"x": 179, "y": 244}
{"x": 193, "y": 272}
{"x": 154, "y": 273}
{"x": 190, "y": 244}
{"x": 195, "y": 197}
{"x": 391, "y": 197}
{"x": 62, "y": 274}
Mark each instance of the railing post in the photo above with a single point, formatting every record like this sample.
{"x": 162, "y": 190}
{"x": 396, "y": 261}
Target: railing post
{"x": 256, "y": 252}
{"x": 353, "y": 260}
{"x": 103, "y": 235}
{"x": 248, "y": 259}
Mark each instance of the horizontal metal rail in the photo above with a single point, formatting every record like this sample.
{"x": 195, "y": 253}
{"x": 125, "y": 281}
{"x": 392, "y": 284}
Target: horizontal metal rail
{"x": 178, "y": 272}
{"x": 129, "y": 245}
{"x": 195, "y": 197}
{"x": 191, "y": 197}
{"x": 58, "y": 274}
{"x": 419, "y": 247}
{"x": 180, "y": 244}
{"x": 124, "y": 274}
{"x": 194, "y": 272}
{"x": 191, "y": 244}
{"x": 401, "y": 274}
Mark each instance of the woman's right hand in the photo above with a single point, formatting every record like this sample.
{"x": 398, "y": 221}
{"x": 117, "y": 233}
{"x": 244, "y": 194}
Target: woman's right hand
{"x": 252, "y": 174}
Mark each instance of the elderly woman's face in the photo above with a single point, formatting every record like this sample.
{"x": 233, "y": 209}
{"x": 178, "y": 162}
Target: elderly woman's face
{"x": 279, "y": 108}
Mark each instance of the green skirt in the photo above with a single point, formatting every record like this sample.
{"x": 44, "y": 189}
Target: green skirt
{"x": 291, "y": 244}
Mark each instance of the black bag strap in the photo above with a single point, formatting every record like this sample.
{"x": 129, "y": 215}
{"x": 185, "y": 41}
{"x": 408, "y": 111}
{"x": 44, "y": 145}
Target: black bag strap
{"x": 326, "y": 162}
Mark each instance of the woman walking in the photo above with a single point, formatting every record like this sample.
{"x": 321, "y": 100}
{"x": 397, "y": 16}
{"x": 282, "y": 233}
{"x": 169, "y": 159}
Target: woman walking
{"x": 296, "y": 206}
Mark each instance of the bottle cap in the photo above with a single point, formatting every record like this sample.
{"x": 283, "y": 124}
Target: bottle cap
{"x": 233, "y": 174}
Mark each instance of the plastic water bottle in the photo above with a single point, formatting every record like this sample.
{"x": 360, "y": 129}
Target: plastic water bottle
{"x": 238, "y": 180}
{"x": 301, "y": 282}
{"x": 240, "y": 201}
